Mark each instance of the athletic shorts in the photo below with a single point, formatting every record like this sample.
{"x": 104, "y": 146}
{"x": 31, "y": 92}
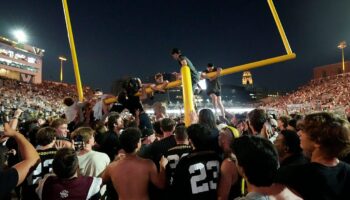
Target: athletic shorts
{"x": 217, "y": 93}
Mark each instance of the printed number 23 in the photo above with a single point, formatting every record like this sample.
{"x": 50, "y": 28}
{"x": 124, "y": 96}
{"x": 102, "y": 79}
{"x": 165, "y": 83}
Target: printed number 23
{"x": 196, "y": 188}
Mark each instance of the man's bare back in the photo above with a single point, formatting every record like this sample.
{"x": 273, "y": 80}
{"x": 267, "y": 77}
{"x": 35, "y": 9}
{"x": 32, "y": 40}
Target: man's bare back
{"x": 131, "y": 175}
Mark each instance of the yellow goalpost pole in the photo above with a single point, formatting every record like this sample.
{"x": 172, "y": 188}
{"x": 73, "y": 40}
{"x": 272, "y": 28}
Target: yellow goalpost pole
{"x": 72, "y": 49}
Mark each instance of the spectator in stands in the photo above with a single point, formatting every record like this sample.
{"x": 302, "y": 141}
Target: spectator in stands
{"x": 288, "y": 148}
{"x": 66, "y": 184}
{"x": 46, "y": 149}
{"x": 42, "y": 100}
{"x": 325, "y": 137}
{"x": 229, "y": 183}
{"x": 61, "y": 127}
{"x": 330, "y": 93}
{"x": 14, "y": 176}
{"x": 131, "y": 174}
{"x": 257, "y": 162}
{"x": 188, "y": 183}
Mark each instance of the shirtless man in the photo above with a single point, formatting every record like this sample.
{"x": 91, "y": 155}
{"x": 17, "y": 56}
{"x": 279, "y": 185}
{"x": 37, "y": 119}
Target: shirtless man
{"x": 131, "y": 174}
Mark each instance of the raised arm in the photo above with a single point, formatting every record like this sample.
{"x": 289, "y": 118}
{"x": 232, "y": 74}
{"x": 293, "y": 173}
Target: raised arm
{"x": 14, "y": 121}
{"x": 204, "y": 75}
{"x": 28, "y": 153}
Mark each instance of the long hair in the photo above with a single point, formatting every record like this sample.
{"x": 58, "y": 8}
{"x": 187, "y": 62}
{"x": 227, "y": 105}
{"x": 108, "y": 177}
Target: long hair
{"x": 206, "y": 117}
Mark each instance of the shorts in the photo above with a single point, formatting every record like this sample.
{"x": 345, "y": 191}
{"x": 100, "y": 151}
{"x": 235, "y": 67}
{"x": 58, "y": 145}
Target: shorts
{"x": 217, "y": 93}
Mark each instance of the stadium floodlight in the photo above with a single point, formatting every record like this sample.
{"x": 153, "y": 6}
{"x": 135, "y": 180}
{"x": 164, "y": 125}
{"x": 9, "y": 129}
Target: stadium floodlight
{"x": 342, "y": 45}
{"x": 20, "y": 35}
{"x": 61, "y": 58}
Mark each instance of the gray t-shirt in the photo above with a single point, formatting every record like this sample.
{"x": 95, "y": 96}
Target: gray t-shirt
{"x": 253, "y": 196}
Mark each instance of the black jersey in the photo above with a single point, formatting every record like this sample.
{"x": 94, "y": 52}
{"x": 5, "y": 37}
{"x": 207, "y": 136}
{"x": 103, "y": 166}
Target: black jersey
{"x": 173, "y": 156}
{"x": 43, "y": 168}
{"x": 196, "y": 176}
{"x": 159, "y": 148}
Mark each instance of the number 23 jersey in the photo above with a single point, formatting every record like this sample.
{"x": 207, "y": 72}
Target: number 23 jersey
{"x": 197, "y": 176}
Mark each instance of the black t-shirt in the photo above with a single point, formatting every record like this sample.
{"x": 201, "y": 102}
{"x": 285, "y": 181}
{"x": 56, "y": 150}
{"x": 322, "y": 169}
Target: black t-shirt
{"x": 159, "y": 148}
{"x": 110, "y": 144}
{"x": 145, "y": 121}
{"x": 213, "y": 141}
{"x": 194, "y": 72}
{"x": 145, "y": 151}
{"x": 196, "y": 176}
{"x": 212, "y": 85}
{"x": 8, "y": 181}
{"x": 173, "y": 156}
{"x": 296, "y": 159}
{"x": 315, "y": 181}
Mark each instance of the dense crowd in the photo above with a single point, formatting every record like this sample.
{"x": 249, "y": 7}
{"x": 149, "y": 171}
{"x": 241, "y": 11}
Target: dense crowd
{"x": 331, "y": 93}
{"x": 44, "y": 100}
{"x": 95, "y": 150}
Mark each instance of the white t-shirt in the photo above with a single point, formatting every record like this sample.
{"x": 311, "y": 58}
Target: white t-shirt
{"x": 93, "y": 163}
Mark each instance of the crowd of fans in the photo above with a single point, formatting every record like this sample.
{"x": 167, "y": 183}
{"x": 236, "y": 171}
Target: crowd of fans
{"x": 44, "y": 100}
{"x": 95, "y": 150}
{"x": 331, "y": 93}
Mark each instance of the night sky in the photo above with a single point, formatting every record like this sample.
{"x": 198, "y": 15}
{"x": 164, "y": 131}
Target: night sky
{"x": 115, "y": 38}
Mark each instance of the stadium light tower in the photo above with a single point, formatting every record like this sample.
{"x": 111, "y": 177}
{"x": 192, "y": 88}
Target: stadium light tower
{"x": 20, "y": 35}
{"x": 342, "y": 46}
{"x": 61, "y": 58}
